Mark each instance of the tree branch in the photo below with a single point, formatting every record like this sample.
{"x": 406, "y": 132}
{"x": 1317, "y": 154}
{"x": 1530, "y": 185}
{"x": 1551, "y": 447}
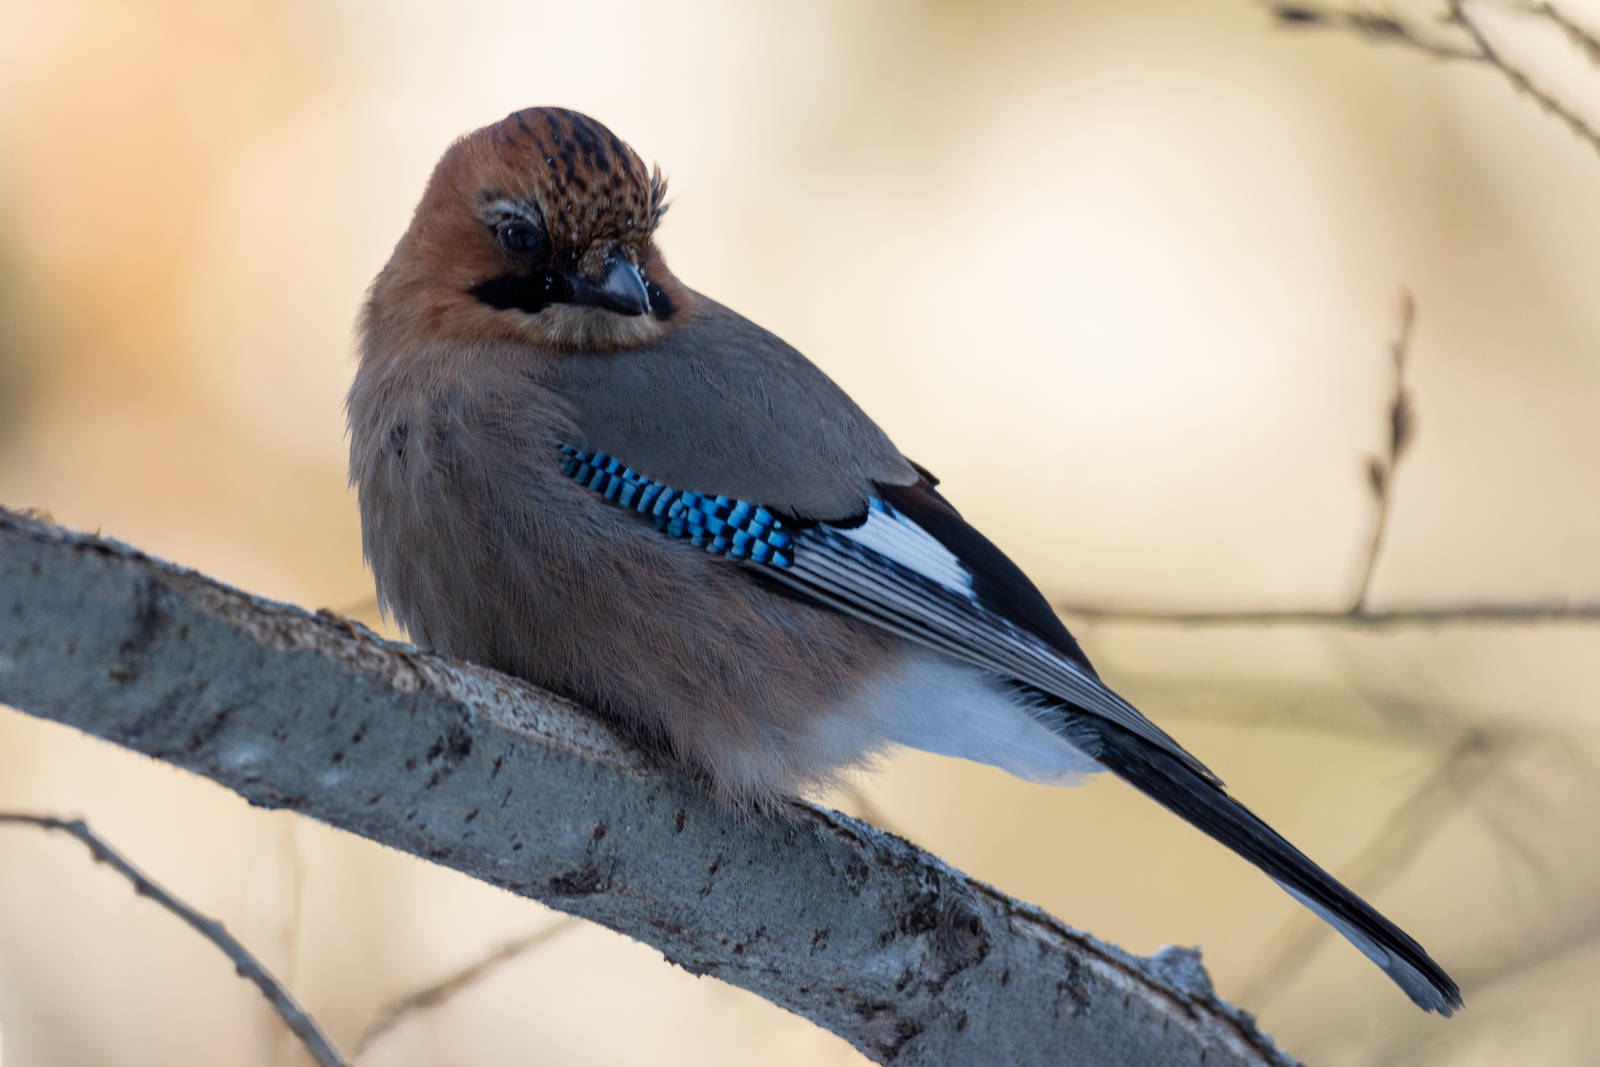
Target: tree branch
{"x": 1478, "y": 49}
{"x": 1401, "y": 417}
{"x": 248, "y": 967}
{"x": 1381, "y": 470}
{"x": 859, "y": 931}
{"x": 398, "y": 1011}
{"x": 1487, "y": 611}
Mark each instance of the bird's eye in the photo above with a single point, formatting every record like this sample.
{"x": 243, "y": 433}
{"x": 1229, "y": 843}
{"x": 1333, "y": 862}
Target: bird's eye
{"x": 521, "y": 239}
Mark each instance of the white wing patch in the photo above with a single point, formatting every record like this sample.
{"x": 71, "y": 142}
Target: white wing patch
{"x": 893, "y": 536}
{"x": 843, "y": 567}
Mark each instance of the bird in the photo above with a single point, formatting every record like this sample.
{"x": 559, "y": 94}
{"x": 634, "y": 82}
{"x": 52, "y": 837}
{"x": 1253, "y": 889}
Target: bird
{"x": 573, "y": 468}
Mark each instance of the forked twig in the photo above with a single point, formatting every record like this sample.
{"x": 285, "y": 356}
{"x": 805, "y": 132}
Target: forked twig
{"x": 1479, "y": 48}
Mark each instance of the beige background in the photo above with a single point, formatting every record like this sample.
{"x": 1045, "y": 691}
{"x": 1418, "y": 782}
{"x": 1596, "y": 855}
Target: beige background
{"x": 1123, "y": 274}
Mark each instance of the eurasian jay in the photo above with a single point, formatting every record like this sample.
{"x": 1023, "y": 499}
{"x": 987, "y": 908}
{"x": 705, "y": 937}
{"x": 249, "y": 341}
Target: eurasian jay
{"x": 573, "y": 468}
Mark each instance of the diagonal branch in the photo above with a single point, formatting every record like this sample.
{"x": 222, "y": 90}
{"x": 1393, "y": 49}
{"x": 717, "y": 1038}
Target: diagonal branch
{"x": 1519, "y": 78}
{"x": 859, "y": 931}
{"x": 1580, "y": 37}
{"x": 294, "y": 1017}
{"x": 398, "y": 1011}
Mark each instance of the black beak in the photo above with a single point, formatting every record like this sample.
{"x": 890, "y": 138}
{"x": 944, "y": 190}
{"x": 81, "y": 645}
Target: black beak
{"x": 621, "y": 291}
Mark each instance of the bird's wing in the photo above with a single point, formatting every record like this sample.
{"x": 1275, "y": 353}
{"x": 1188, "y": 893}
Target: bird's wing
{"x": 909, "y": 564}
{"x": 748, "y": 451}
{"x": 726, "y": 424}
{"x": 905, "y": 562}
{"x": 722, "y": 405}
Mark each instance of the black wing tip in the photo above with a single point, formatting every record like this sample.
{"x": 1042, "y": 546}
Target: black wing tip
{"x": 1425, "y": 982}
{"x": 1406, "y": 963}
{"x": 1399, "y": 955}
{"x": 1446, "y": 1000}
{"x": 1206, "y": 806}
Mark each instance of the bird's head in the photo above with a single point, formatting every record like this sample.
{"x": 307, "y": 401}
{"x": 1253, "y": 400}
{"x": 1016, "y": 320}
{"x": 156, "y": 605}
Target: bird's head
{"x": 536, "y": 229}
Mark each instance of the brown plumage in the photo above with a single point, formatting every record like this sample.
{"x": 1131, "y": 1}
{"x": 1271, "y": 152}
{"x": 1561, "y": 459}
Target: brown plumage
{"x": 481, "y": 546}
{"x": 575, "y": 469}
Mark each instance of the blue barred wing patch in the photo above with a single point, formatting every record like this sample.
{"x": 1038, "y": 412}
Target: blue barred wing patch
{"x": 886, "y": 570}
{"x": 719, "y": 524}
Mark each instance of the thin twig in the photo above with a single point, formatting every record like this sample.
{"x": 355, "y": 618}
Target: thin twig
{"x": 247, "y": 966}
{"x": 1582, "y": 38}
{"x": 1394, "y": 30}
{"x": 1402, "y": 421}
{"x": 1488, "y": 612}
{"x": 398, "y": 1011}
{"x": 1520, "y": 78}
{"x": 1381, "y": 471}
{"x": 1476, "y": 756}
{"x": 1372, "y": 25}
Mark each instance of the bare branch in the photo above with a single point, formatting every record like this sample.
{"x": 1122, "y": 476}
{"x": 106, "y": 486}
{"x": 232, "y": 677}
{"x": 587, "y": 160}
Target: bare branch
{"x": 1402, "y": 425}
{"x": 1389, "y": 29}
{"x": 247, "y": 966}
{"x": 1520, "y": 78}
{"x": 1582, "y": 38}
{"x": 1478, "y": 49}
{"x": 1402, "y": 430}
{"x": 1486, "y": 612}
{"x": 849, "y": 926}
{"x": 398, "y": 1011}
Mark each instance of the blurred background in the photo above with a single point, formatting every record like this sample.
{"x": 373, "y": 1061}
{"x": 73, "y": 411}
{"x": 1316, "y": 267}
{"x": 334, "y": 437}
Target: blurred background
{"x": 1151, "y": 251}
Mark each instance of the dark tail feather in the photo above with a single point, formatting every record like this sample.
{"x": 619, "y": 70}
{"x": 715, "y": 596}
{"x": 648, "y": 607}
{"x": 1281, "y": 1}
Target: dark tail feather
{"x": 1166, "y": 780}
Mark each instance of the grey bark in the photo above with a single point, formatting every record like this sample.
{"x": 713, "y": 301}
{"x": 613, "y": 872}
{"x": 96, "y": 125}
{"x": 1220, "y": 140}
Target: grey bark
{"x": 859, "y": 931}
